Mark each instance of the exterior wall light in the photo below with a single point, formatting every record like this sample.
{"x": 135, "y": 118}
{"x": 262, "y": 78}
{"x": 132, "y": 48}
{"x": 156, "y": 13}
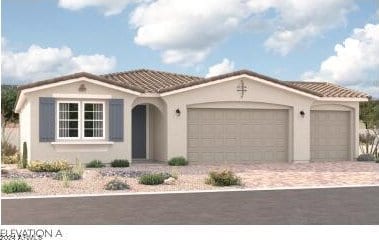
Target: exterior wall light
{"x": 177, "y": 111}
{"x": 302, "y": 113}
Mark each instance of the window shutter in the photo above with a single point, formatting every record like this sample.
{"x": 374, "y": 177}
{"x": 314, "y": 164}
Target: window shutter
{"x": 46, "y": 119}
{"x": 116, "y": 120}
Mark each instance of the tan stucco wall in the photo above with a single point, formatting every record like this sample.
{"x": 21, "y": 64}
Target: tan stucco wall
{"x": 158, "y": 137}
{"x": 88, "y": 152}
{"x": 167, "y": 131}
{"x": 258, "y": 93}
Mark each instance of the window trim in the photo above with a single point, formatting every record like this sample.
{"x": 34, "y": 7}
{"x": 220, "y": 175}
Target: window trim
{"x": 79, "y": 120}
{"x": 83, "y": 119}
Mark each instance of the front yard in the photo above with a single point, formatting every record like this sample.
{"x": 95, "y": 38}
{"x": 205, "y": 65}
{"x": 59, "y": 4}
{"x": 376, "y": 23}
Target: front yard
{"x": 192, "y": 177}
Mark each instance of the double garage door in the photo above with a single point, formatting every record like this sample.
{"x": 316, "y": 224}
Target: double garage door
{"x": 234, "y": 135}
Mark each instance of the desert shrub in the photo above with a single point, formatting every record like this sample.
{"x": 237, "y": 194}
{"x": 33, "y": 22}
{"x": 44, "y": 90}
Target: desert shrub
{"x": 55, "y": 166}
{"x": 153, "y": 178}
{"x": 15, "y": 186}
{"x": 222, "y": 178}
{"x": 14, "y": 159}
{"x": 95, "y": 164}
{"x": 366, "y": 157}
{"x": 67, "y": 175}
{"x": 178, "y": 161}
{"x": 24, "y": 162}
{"x": 78, "y": 168}
{"x": 116, "y": 184}
{"x": 120, "y": 163}
{"x": 8, "y": 149}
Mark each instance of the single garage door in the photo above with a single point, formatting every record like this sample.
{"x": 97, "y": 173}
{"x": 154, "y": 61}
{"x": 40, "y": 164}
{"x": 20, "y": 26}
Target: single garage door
{"x": 330, "y": 135}
{"x": 233, "y": 135}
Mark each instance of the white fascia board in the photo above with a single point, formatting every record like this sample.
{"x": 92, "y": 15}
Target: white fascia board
{"x": 20, "y": 102}
{"x": 21, "y": 98}
{"x": 97, "y": 82}
{"x": 341, "y": 99}
{"x": 238, "y": 77}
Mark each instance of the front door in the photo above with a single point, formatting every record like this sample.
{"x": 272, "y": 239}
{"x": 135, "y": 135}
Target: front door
{"x": 139, "y": 132}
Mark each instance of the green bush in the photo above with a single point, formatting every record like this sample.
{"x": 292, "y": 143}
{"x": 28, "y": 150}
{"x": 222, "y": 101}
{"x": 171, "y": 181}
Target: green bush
{"x": 95, "y": 164}
{"x": 14, "y": 159}
{"x": 67, "y": 175}
{"x": 223, "y": 178}
{"x": 366, "y": 158}
{"x": 24, "y": 162}
{"x": 15, "y": 186}
{"x": 55, "y": 166}
{"x": 116, "y": 184}
{"x": 8, "y": 149}
{"x": 177, "y": 161}
{"x": 154, "y": 178}
{"x": 120, "y": 163}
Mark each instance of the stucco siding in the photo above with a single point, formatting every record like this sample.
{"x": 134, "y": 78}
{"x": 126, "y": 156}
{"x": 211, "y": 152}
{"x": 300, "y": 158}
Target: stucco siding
{"x": 159, "y": 134}
{"x": 83, "y": 152}
{"x": 167, "y": 129}
{"x": 257, "y": 93}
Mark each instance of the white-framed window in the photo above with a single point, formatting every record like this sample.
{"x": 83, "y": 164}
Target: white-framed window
{"x": 68, "y": 120}
{"x": 80, "y": 120}
{"x": 93, "y": 118}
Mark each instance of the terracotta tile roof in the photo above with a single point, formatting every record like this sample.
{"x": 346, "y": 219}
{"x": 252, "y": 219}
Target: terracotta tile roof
{"x": 151, "y": 81}
{"x": 237, "y": 73}
{"x": 78, "y": 75}
{"x": 329, "y": 89}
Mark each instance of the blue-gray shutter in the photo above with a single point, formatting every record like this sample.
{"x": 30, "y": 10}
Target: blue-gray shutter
{"x": 46, "y": 119}
{"x": 116, "y": 120}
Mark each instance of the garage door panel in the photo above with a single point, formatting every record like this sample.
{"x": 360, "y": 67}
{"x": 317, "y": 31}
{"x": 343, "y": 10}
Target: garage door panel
{"x": 238, "y": 135}
{"x": 330, "y": 135}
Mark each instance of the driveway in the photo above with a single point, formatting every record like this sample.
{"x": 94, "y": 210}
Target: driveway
{"x": 350, "y": 205}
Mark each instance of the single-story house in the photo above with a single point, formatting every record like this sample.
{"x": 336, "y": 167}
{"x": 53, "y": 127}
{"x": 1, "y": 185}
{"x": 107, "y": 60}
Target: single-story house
{"x": 154, "y": 115}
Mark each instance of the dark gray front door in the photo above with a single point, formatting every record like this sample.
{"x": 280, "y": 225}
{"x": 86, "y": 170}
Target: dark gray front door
{"x": 139, "y": 132}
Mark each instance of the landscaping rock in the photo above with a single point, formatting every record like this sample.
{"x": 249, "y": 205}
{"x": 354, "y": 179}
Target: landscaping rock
{"x": 121, "y": 172}
{"x": 14, "y": 174}
{"x": 4, "y": 172}
{"x": 170, "y": 181}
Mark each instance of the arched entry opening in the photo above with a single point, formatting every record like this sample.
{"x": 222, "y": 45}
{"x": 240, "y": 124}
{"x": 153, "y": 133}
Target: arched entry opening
{"x": 148, "y": 132}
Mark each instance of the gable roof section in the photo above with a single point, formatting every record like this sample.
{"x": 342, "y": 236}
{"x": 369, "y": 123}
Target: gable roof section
{"x": 79, "y": 75}
{"x": 238, "y": 73}
{"x": 151, "y": 81}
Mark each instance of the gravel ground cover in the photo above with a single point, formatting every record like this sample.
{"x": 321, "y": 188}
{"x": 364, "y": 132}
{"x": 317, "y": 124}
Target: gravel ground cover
{"x": 192, "y": 177}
